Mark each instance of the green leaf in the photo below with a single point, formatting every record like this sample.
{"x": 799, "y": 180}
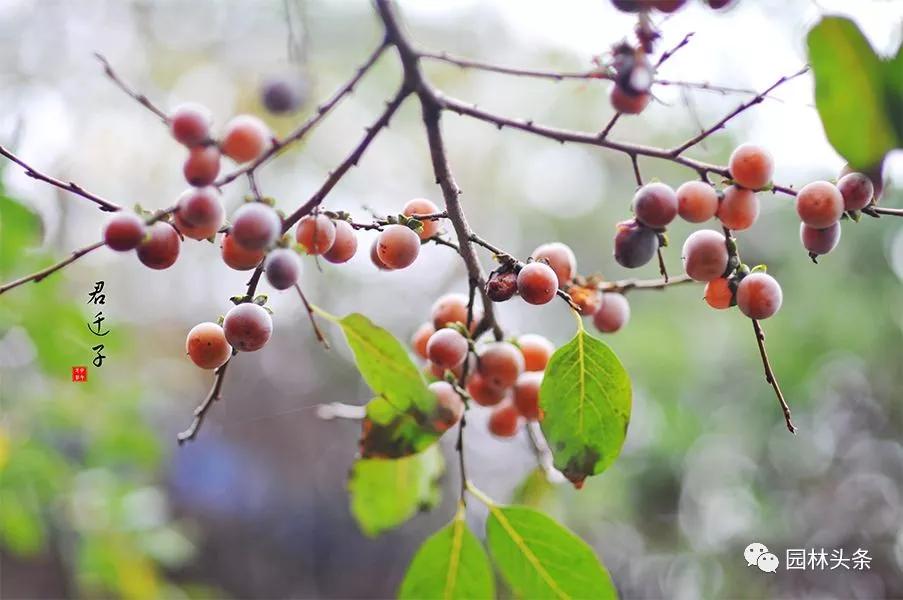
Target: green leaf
{"x": 390, "y": 433}
{"x": 539, "y": 558}
{"x": 21, "y": 529}
{"x": 385, "y": 364}
{"x": 387, "y": 492}
{"x": 397, "y": 422}
{"x": 586, "y": 398}
{"x": 851, "y": 93}
{"x": 20, "y": 230}
{"x": 893, "y": 77}
{"x": 450, "y": 564}
{"x": 534, "y": 490}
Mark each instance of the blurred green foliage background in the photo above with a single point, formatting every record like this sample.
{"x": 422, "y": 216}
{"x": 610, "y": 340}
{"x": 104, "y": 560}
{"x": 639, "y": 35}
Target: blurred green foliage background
{"x": 97, "y": 500}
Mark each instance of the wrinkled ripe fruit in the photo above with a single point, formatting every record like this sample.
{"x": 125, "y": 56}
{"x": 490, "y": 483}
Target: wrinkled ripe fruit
{"x": 202, "y": 165}
{"x": 482, "y": 392}
{"x": 613, "y": 314}
{"x": 759, "y": 296}
{"x": 255, "y": 226}
{"x": 526, "y": 395}
{"x": 422, "y": 206}
{"x": 398, "y": 246}
{"x": 248, "y": 327}
{"x": 190, "y": 124}
{"x": 634, "y": 244}
{"x": 819, "y": 241}
{"x": 655, "y": 205}
{"x": 857, "y": 191}
{"x": 449, "y": 406}
{"x": 819, "y": 204}
{"x": 537, "y": 283}
{"x": 501, "y": 286}
{"x": 282, "y": 268}
{"x": 420, "y": 339}
{"x": 245, "y": 139}
{"x": 718, "y": 293}
{"x": 124, "y": 232}
{"x": 316, "y": 234}
{"x": 626, "y": 104}
{"x": 561, "y": 258}
{"x": 500, "y": 363}
{"x": 239, "y": 258}
{"x": 697, "y": 201}
{"x": 751, "y": 166}
{"x": 739, "y": 208}
{"x": 447, "y": 349}
{"x": 207, "y": 347}
{"x": 344, "y": 247}
{"x": 705, "y": 255}
{"x": 504, "y": 421}
{"x": 536, "y": 350}
{"x": 160, "y": 248}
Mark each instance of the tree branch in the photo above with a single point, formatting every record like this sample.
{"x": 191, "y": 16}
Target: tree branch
{"x": 38, "y": 276}
{"x": 201, "y": 411}
{"x": 745, "y": 105}
{"x": 352, "y": 159}
{"x": 105, "y": 205}
{"x": 140, "y": 98}
{"x": 770, "y": 378}
{"x": 625, "y": 285}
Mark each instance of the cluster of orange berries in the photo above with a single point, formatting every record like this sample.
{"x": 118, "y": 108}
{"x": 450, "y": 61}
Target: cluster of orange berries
{"x": 707, "y": 254}
{"x": 255, "y": 234}
{"x": 552, "y": 267}
{"x": 503, "y": 375}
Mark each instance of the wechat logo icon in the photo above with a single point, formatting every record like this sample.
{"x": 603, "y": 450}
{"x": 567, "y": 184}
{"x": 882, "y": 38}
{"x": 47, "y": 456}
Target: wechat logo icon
{"x": 757, "y": 554}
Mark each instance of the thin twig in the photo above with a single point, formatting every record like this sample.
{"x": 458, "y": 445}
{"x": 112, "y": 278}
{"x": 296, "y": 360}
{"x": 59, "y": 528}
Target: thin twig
{"x": 609, "y": 126}
{"x": 201, "y": 411}
{"x": 877, "y": 211}
{"x": 459, "y": 448}
{"x": 351, "y": 160}
{"x": 663, "y": 271}
{"x": 770, "y": 377}
{"x": 38, "y": 276}
{"x": 742, "y": 107}
{"x": 625, "y": 285}
{"x": 441, "y": 241}
{"x": 69, "y": 186}
{"x": 139, "y": 97}
{"x": 465, "y": 63}
{"x": 313, "y": 321}
{"x": 302, "y": 130}
{"x": 669, "y": 53}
